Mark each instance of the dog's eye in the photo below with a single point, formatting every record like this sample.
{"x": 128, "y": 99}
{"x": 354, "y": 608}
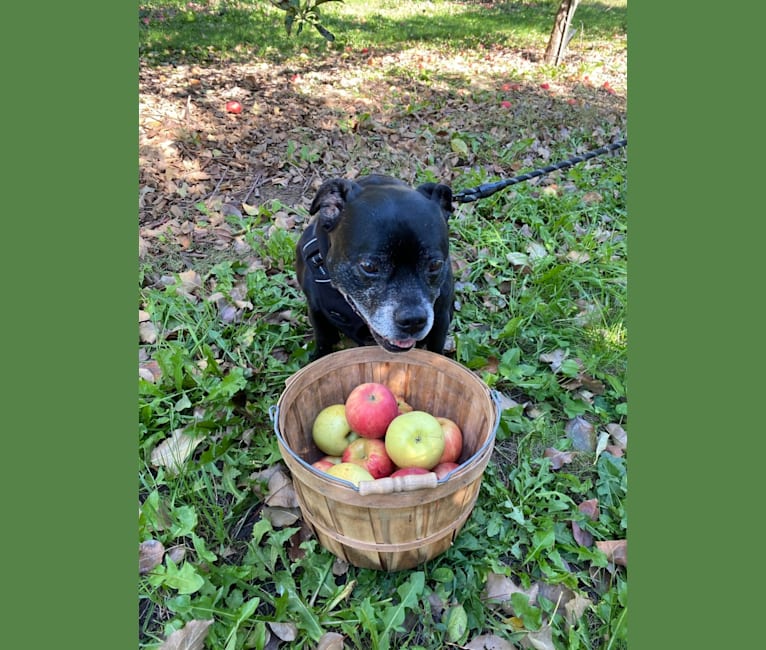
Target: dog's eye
{"x": 369, "y": 267}
{"x": 435, "y": 266}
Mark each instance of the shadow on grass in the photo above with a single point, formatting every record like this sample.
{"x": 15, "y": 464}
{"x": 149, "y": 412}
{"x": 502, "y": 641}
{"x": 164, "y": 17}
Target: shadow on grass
{"x": 239, "y": 31}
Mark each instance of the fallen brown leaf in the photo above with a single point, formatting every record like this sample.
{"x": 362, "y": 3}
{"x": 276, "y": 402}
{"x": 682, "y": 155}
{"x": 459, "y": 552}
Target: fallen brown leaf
{"x": 616, "y": 550}
{"x": 285, "y": 631}
{"x": 581, "y": 433}
{"x": 619, "y": 435}
{"x": 190, "y": 637}
{"x": 174, "y": 450}
{"x": 331, "y": 641}
{"x": 150, "y": 553}
{"x": 489, "y": 642}
{"x": 559, "y": 458}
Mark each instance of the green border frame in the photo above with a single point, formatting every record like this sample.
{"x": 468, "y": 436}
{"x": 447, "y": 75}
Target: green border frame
{"x": 69, "y": 275}
{"x": 695, "y": 343}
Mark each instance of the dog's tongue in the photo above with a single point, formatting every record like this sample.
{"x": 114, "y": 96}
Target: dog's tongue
{"x": 405, "y": 344}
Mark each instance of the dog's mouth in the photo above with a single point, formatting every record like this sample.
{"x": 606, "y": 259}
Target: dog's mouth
{"x": 393, "y": 345}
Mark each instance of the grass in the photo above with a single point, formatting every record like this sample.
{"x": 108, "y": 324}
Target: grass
{"x": 540, "y": 270}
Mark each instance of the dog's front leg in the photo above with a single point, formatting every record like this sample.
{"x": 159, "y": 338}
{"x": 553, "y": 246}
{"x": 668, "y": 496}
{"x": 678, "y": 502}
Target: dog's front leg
{"x": 326, "y": 334}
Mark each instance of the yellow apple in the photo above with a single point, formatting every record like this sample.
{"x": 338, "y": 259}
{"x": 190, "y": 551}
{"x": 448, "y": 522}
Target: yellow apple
{"x": 415, "y": 439}
{"x": 350, "y": 472}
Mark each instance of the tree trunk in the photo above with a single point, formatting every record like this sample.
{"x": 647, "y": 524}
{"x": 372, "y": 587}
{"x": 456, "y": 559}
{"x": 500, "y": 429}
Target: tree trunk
{"x": 558, "y": 41}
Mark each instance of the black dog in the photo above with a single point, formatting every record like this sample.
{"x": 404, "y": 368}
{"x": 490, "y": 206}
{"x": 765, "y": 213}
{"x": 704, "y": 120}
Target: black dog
{"x": 375, "y": 266}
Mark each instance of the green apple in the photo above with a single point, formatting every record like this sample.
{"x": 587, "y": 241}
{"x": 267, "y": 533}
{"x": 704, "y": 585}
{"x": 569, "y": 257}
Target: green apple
{"x": 415, "y": 439}
{"x": 331, "y": 431}
{"x": 350, "y": 472}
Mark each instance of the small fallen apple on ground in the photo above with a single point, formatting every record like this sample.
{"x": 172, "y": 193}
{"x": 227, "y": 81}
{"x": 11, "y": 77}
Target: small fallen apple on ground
{"x": 233, "y": 107}
{"x": 370, "y": 407}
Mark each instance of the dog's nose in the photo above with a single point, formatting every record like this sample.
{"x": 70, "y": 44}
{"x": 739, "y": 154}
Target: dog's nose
{"x": 411, "y": 321}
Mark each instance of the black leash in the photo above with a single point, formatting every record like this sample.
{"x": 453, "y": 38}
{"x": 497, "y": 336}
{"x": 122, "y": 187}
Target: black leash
{"x": 488, "y": 189}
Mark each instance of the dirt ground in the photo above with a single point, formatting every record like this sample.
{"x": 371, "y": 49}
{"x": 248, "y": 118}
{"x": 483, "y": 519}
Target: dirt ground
{"x": 396, "y": 112}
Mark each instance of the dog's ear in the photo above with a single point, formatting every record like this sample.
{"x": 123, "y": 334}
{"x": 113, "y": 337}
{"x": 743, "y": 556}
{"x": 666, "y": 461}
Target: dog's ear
{"x": 330, "y": 199}
{"x": 442, "y": 194}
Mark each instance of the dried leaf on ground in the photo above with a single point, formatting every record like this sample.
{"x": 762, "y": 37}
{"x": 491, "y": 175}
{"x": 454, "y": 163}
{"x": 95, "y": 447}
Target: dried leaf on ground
{"x": 554, "y": 359}
{"x": 190, "y": 281}
{"x": 575, "y": 608}
{"x": 281, "y": 517}
{"x": 174, "y": 450}
{"x": 190, "y": 637}
{"x": 150, "y": 371}
{"x": 260, "y": 479}
{"x": 591, "y": 509}
{"x": 507, "y": 402}
{"x": 601, "y": 443}
{"x": 489, "y": 642}
{"x": 331, "y": 641}
{"x": 616, "y": 550}
{"x": 581, "y": 433}
{"x": 150, "y": 553}
{"x": 618, "y": 434}
{"x": 499, "y": 589}
{"x": 147, "y": 332}
{"x": 559, "y": 458}
{"x": 285, "y": 631}
{"x": 281, "y": 491}
{"x": 541, "y": 639}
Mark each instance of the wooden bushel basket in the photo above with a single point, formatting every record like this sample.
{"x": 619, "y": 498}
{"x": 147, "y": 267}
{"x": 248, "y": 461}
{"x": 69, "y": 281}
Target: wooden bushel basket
{"x": 388, "y": 524}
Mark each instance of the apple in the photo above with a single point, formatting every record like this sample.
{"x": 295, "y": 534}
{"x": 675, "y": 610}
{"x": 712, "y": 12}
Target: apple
{"x": 406, "y": 471}
{"x": 331, "y": 431}
{"x": 326, "y": 462}
{"x": 350, "y": 472}
{"x": 453, "y": 440}
{"x": 370, "y": 407}
{"x": 404, "y": 407}
{"x": 371, "y": 454}
{"x": 442, "y": 469}
{"x": 233, "y": 107}
{"x": 415, "y": 439}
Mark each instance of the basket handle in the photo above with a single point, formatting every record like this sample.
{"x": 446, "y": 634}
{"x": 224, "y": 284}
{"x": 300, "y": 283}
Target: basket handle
{"x": 405, "y": 483}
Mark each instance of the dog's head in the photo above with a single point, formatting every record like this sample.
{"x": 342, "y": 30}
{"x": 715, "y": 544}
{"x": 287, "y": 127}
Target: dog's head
{"x": 387, "y": 252}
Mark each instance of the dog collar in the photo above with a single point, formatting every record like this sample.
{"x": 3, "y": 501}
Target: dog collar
{"x": 313, "y": 256}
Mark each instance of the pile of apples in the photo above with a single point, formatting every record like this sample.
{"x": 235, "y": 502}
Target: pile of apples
{"x": 375, "y": 434}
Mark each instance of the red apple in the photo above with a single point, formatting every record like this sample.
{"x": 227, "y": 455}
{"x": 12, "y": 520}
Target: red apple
{"x": 370, "y": 407}
{"x": 405, "y": 471}
{"x": 442, "y": 469}
{"x": 453, "y": 440}
{"x": 326, "y": 462}
{"x": 233, "y": 107}
{"x": 350, "y": 472}
{"x": 331, "y": 431}
{"x": 371, "y": 454}
{"x": 415, "y": 439}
